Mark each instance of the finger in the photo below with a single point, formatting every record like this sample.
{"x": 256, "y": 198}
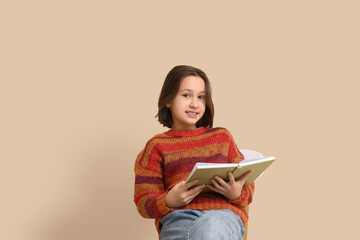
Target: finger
{"x": 214, "y": 188}
{"x": 190, "y": 184}
{"x": 244, "y": 177}
{"x": 194, "y": 192}
{"x": 220, "y": 181}
{"x": 231, "y": 177}
{"x": 216, "y": 184}
{"x": 196, "y": 189}
{"x": 179, "y": 184}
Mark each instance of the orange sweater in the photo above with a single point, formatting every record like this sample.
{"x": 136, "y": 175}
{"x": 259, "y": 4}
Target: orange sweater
{"x": 168, "y": 158}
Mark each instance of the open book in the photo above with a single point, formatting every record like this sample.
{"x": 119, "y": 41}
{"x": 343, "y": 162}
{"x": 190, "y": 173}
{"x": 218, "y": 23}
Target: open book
{"x": 205, "y": 171}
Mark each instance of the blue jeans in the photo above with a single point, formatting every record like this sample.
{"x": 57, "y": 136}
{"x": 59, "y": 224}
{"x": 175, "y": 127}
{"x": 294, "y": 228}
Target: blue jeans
{"x": 222, "y": 224}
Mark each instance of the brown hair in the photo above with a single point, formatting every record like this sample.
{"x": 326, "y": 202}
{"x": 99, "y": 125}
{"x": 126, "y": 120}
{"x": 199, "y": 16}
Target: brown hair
{"x": 170, "y": 88}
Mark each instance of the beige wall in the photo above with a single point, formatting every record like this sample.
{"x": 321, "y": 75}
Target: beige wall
{"x": 78, "y": 95}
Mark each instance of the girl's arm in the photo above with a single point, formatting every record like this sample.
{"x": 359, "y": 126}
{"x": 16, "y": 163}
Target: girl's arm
{"x": 149, "y": 195}
{"x": 151, "y": 198}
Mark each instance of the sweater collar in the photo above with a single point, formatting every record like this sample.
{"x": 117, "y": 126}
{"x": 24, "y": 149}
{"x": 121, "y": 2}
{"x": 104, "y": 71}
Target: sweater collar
{"x": 187, "y": 133}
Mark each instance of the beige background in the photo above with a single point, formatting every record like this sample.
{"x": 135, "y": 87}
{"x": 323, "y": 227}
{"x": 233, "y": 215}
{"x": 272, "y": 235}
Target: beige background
{"x": 78, "y": 94}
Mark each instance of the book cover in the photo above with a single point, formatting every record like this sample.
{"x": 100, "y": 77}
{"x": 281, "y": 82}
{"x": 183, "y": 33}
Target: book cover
{"x": 204, "y": 172}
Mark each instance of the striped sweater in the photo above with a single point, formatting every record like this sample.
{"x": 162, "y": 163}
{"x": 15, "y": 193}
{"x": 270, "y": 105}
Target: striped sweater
{"x": 168, "y": 158}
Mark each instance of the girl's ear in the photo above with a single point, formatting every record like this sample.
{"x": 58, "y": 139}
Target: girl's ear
{"x": 168, "y": 105}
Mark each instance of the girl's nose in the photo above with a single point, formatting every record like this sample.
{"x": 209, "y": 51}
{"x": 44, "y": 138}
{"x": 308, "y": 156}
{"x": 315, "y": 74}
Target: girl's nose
{"x": 194, "y": 102}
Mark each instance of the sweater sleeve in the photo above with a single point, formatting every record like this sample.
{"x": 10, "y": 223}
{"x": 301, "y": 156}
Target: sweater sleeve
{"x": 149, "y": 194}
{"x": 247, "y": 192}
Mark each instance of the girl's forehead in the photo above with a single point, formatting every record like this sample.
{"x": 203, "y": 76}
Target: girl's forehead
{"x": 192, "y": 83}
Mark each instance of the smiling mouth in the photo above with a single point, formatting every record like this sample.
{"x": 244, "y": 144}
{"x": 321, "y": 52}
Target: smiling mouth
{"x": 192, "y": 113}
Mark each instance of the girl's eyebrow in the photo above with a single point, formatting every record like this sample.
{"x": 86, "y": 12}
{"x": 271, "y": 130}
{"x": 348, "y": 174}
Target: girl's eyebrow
{"x": 189, "y": 90}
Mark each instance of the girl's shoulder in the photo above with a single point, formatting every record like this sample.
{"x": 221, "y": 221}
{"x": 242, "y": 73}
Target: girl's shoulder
{"x": 158, "y": 138}
{"x": 221, "y": 130}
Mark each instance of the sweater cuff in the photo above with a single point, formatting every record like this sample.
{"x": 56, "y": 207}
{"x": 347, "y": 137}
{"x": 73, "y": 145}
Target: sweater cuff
{"x": 241, "y": 199}
{"x": 163, "y": 209}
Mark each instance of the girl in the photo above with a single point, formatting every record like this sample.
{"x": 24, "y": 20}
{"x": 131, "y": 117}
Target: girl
{"x": 180, "y": 210}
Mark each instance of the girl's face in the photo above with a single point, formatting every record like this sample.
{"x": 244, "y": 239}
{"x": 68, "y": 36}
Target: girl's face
{"x": 189, "y": 104}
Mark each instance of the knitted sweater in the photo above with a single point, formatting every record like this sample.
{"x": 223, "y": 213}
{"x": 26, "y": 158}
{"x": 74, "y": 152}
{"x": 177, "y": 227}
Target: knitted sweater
{"x": 168, "y": 158}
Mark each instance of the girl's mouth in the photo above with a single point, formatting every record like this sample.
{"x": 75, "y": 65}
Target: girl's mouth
{"x": 192, "y": 114}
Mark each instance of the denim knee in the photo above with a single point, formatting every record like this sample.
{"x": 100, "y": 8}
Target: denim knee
{"x": 176, "y": 224}
{"x": 217, "y": 224}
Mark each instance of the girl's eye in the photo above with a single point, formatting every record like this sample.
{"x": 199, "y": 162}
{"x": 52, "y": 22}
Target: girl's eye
{"x": 186, "y": 95}
{"x": 202, "y": 97}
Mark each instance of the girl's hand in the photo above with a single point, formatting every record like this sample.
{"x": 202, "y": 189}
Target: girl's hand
{"x": 180, "y": 195}
{"x": 231, "y": 189}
